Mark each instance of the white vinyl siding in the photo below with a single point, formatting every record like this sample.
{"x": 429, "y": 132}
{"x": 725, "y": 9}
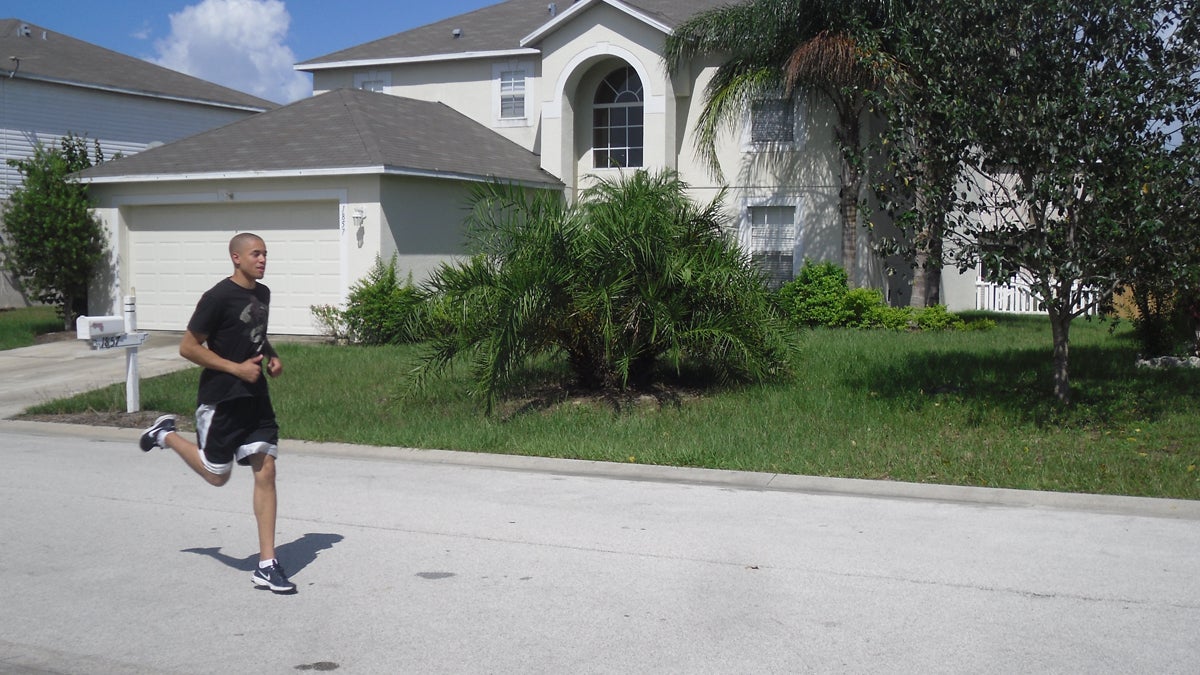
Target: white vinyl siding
{"x": 38, "y": 112}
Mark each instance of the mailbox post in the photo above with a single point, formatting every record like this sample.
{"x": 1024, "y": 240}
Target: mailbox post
{"x": 133, "y": 391}
{"x": 110, "y": 332}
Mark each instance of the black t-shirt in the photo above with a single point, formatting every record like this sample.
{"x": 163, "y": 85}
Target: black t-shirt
{"x": 234, "y": 319}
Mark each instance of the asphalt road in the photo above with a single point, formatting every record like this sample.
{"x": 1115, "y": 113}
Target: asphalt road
{"x": 115, "y": 561}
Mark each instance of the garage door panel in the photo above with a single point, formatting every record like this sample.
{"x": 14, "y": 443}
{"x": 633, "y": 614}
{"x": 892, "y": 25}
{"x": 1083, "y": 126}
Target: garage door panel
{"x": 178, "y": 252}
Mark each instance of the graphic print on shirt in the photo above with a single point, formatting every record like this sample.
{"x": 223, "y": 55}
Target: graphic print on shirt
{"x": 254, "y": 320}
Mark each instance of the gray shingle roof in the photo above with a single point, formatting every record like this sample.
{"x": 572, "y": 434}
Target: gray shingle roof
{"x": 46, "y": 55}
{"x": 496, "y": 27}
{"x": 345, "y": 129}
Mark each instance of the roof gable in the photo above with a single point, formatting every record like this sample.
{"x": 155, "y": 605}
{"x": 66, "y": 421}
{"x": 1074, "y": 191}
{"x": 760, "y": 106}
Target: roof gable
{"x": 338, "y": 132}
{"x": 662, "y": 15}
{"x": 34, "y": 53}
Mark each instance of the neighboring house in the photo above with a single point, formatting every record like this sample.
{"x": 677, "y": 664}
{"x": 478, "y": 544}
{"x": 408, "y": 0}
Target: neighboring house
{"x": 52, "y": 84}
{"x": 578, "y": 87}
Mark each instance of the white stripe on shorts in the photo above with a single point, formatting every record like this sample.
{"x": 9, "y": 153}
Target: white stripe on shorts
{"x": 204, "y": 416}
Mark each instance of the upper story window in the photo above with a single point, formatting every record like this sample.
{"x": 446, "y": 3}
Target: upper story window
{"x": 617, "y": 127}
{"x": 773, "y": 121}
{"x": 512, "y": 94}
{"x": 373, "y": 80}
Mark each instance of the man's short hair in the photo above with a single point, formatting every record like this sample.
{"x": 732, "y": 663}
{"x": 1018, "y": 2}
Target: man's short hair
{"x": 241, "y": 239}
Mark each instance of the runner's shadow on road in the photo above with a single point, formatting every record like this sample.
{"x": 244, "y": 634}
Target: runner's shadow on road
{"x": 294, "y": 556}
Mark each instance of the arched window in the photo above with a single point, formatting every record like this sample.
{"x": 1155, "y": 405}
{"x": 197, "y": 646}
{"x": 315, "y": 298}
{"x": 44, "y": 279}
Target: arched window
{"x": 617, "y": 131}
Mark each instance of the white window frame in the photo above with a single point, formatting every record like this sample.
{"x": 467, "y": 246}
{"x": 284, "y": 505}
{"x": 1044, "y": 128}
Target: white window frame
{"x": 373, "y": 80}
{"x": 789, "y": 242}
{"x": 512, "y": 88}
{"x": 799, "y": 114}
{"x": 629, "y": 146}
{"x": 499, "y": 70}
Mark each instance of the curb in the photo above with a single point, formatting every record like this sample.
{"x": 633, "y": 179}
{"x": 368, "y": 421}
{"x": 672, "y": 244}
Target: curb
{"x": 748, "y": 480}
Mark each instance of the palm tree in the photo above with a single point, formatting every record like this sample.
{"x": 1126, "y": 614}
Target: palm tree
{"x": 631, "y": 282}
{"x": 779, "y": 46}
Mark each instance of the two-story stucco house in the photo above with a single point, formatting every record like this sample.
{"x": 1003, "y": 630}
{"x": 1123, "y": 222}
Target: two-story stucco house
{"x": 52, "y": 84}
{"x": 547, "y": 94}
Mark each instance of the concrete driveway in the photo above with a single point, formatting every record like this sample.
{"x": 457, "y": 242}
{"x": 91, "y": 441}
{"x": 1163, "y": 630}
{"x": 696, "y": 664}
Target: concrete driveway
{"x": 44, "y": 372}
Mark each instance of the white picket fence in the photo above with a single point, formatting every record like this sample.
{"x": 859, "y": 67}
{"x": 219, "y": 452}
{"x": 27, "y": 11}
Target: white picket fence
{"x": 1016, "y": 297}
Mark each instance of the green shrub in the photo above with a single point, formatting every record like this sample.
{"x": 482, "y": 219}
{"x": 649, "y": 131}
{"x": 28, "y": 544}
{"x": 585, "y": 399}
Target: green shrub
{"x": 379, "y": 310}
{"x": 937, "y": 317}
{"x": 820, "y": 296}
{"x": 861, "y": 307}
{"x": 1167, "y": 322}
{"x": 630, "y": 278}
{"x": 893, "y": 318}
{"x": 817, "y": 296}
{"x": 980, "y": 324}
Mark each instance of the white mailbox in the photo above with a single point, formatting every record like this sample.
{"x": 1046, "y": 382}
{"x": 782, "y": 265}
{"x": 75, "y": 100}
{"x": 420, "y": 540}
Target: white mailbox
{"x": 108, "y": 332}
{"x": 88, "y": 327}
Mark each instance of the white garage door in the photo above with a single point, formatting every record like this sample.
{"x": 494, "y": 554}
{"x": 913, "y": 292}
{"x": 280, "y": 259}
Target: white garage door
{"x": 178, "y": 252}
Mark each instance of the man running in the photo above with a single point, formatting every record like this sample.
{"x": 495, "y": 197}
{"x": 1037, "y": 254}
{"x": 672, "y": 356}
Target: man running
{"x": 227, "y": 336}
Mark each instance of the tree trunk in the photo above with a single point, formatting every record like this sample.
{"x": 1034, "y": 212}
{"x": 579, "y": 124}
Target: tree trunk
{"x": 67, "y": 309}
{"x": 848, "y": 197}
{"x": 1060, "y": 327}
{"x": 848, "y": 138}
{"x": 927, "y": 277}
{"x": 920, "y": 279}
{"x": 933, "y": 274}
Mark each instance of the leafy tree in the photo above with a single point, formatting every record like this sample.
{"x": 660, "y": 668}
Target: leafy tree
{"x": 773, "y": 47}
{"x": 1056, "y": 128}
{"x": 1164, "y": 277}
{"x": 53, "y": 245}
{"x": 630, "y": 277}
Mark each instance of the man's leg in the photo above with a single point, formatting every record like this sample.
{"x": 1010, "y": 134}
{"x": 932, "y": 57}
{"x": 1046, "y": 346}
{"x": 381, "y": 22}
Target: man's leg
{"x": 265, "y": 503}
{"x": 270, "y": 573}
{"x": 163, "y": 435}
{"x": 189, "y": 452}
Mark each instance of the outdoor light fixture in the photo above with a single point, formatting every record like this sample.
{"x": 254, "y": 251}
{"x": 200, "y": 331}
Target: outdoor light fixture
{"x": 359, "y": 216}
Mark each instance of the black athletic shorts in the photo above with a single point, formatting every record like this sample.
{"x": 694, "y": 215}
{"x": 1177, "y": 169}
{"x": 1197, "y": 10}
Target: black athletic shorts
{"x": 234, "y": 430}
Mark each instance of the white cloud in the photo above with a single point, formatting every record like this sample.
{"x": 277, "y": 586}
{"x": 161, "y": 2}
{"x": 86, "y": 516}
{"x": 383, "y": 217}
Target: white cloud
{"x": 142, "y": 33}
{"x": 236, "y": 43}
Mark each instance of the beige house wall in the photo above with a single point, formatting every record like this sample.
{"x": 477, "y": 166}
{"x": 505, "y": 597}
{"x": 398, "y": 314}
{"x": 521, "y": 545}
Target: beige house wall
{"x": 468, "y": 86}
{"x": 423, "y": 223}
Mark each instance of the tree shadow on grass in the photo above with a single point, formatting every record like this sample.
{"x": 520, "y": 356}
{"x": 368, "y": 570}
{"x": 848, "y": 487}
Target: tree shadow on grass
{"x": 1106, "y": 386}
{"x": 294, "y": 556}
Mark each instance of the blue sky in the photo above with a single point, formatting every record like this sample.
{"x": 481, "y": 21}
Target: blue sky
{"x": 248, "y": 45}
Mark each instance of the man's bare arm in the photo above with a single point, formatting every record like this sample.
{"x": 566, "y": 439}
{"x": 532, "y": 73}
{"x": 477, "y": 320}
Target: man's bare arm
{"x": 193, "y": 349}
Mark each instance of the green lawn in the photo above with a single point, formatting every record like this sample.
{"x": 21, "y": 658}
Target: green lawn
{"x": 964, "y": 408}
{"x": 19, "y": 327}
